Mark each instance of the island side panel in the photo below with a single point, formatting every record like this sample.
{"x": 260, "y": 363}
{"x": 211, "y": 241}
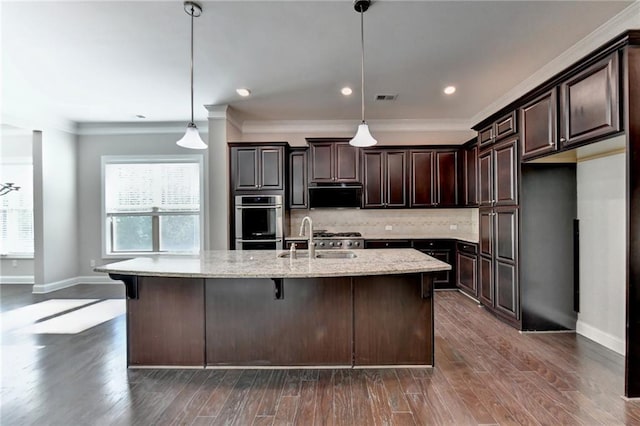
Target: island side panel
{"x": 311, "y": 325}
{"x": 165, "y": 325}
{"x": 393, "y": 321}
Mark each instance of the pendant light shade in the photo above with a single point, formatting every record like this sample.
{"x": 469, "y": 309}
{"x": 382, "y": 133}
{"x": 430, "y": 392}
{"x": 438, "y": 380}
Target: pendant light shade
{"x": 363, "y": 135}
{"x": 191, "y": 138}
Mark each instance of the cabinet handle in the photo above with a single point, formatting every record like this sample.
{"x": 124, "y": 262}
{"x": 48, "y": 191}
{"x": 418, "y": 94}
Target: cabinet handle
{"x": 563, "y": 140}
{"x": 551, "y": 142}
{"x": 257, "y": 186}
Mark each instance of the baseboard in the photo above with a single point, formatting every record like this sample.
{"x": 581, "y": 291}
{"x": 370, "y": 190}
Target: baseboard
{"x": 17, "y": 279}
{"x": 605, "y": 339}
{"x": 70, "y": 282}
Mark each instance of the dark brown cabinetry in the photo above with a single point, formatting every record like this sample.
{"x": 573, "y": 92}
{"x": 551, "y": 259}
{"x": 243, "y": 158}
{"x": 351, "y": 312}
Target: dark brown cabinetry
{"x": 501, "y": 128}
{"x": 539, "y": 125}
{"x": 470, "y": 168}
{"x": 385, "y": 178}
{"x": 498, "y": 174}
{"x": 297, "y": 192}
{"x": 442, "y": 250}
{"x": 434, "y": 178}
{"x": 257, "y": 168}
{"x": 590, "y": 102}
{"x": 467, "y": 268}
{"x": 382, "y": 244}
{"x": 332, "y": 161}
{"x": 498, "y": 272}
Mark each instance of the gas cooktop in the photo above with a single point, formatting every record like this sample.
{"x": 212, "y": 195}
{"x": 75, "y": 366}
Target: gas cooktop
{"x": 325, "y": 234}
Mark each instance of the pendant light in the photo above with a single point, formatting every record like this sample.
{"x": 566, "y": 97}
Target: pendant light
{"x": 363, "y": 136}
{"x": 191, "y": 138}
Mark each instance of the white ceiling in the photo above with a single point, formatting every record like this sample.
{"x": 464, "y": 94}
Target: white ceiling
{"x": 91, "y": 61}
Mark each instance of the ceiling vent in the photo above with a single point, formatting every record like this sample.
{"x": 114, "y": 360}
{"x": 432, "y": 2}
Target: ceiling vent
{"x": 387, "y": 97}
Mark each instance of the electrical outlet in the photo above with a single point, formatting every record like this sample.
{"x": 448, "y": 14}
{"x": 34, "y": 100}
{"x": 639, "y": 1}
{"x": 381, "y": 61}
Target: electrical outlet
{"x": 388, "y": 228}
{"x": 453, "y": 227}
{"x": 14, "y": 263}
{"x": 92, "y": 263}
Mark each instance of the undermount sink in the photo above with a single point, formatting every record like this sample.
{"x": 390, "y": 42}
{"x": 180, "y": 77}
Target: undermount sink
{"x": 328, "y": 254}
{"x": 335, "y": 255}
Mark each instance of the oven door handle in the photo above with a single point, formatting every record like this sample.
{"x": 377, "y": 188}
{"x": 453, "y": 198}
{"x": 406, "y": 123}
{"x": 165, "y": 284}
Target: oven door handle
{"x": 278, "y": 240}
{"x": 270, "y": 206}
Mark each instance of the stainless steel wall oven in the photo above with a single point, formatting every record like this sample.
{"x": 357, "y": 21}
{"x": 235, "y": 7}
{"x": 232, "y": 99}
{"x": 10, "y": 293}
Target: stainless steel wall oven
{"x": 259, "y": 222}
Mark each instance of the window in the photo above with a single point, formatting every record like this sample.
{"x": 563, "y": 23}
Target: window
{"x": 152, "y": 205}
{"x": 16, "y": 209}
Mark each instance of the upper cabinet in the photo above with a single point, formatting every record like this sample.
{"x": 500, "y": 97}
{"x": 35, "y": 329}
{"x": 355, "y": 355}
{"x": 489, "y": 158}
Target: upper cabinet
{"x": 385, "y": 178}
{"x": 587, "y": 103}
{"x": 257, "y": 168}
{"x": 470, "y": 170}
{"x": 590, "y": 102}
{"x": 539, "y": 125}
{"x": 498, "y": 130}
{"x": 498, "y": 174}
{"x": 434, "y": 178}
{"x": 333, "y": 161}
{"x": 298, "y": 194}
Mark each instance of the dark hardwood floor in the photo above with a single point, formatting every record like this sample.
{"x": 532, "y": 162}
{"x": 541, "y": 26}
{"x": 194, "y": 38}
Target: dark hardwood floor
{"x": 485, "y": 373}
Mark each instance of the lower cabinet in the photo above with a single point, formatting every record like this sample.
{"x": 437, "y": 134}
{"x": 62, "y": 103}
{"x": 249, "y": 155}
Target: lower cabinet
{"x": 498, "y": 270}
{"x": 467, "y": 268}
{"x": 443, "y": 250}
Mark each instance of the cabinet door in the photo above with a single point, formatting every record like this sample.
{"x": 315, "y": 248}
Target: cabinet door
{"x": 298, "y": 194}
{"x": 539, "y": 125}
{"x": 346, "y": 168}
{"x": 245, "y": 164}
{"x": 467, "y": 279}
{"x": 421, "y": 178}
{"x": 271, "y": 168}
{"x": 506, "y": 282}
{"x": 373, "y": 179}
{"x": 442, "y": 279}
{"x": 506, "y": 173}
{"x": 446, "y": 178}
{"x": 471, "y": 176}
{"x": 485, "y": 178}
{"x": 396, "y": 179}
{"x": 486, "y": 232}
{"x": 505, "y": 126}
{"x": 506, "y": 234}
{"x": 485, "y": 136}
{"x": 590, "y": 102}
{"x": 486, "y": 281}
{"x": 321, "y": 163}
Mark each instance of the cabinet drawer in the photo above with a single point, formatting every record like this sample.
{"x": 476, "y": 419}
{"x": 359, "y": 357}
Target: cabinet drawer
{"x": 469, "y": 248}
{"x": 382, "y": 244}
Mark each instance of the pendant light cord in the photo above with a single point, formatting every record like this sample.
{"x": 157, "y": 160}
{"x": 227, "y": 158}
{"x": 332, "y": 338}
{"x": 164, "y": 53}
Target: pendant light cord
{"x": 192, "y": 17}
{"x": 362, "y": 68}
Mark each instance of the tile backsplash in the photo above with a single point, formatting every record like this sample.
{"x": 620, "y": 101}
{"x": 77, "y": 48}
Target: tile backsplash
{"x": 405, "y": 223}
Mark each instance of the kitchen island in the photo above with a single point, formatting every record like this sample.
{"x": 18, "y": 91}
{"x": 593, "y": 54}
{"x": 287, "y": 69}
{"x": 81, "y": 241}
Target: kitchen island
{"x": 259, "y": 308}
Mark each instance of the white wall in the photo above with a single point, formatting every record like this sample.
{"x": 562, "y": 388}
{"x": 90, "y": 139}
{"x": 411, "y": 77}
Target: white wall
{"x": 55, "y": 207}
{"x": 601, "y": 211}
{"x": 90, "y": 150}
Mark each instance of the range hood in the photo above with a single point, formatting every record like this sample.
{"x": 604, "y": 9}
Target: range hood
{"x": 335, "y": 195}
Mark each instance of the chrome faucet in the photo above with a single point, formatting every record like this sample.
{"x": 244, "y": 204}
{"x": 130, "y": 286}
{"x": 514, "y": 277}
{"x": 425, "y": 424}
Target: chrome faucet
{"x": 311, "y": 244}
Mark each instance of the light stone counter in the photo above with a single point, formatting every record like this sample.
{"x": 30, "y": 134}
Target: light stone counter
{"x": 267, "y": 264}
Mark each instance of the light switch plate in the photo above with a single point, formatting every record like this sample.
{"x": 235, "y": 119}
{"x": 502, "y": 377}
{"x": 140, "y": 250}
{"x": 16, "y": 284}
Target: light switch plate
{"x": 388, "y": 228}
{"x": 453, "y": 227}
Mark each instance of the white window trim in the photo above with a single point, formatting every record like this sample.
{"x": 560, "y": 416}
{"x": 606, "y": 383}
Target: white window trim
{"x": 124, "y": 159}
{"x": 12, "y": 161}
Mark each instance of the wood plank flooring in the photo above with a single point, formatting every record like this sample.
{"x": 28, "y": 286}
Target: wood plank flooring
{"x": 485, "y": 373}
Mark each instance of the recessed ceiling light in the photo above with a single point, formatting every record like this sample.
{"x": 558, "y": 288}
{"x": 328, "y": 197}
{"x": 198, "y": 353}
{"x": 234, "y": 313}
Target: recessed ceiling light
{"x": 140, "y": 116}
{"x": 243, "y": 92}
{"x": 346, "y": 91}
{"x": 450, "y": 90}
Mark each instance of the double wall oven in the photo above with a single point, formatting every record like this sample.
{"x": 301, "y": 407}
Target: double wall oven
{"x": 259, "y": 222}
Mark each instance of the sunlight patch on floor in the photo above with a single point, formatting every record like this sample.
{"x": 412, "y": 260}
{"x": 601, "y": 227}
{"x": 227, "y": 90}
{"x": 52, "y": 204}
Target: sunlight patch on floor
{"x": 79, "y": 320}
{"x": 29, "y": 314}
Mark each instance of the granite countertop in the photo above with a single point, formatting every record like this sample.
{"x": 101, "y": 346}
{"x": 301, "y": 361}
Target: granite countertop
{"x": 267, "y": 264}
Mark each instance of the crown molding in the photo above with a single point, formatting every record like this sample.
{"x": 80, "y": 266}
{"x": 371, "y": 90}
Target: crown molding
{"x": 629, "y": 18}
{"x": 217, "y": 111}
{"x": 136, "y": 128}
{"x": 39, "y": 122}
{"x": 339, "y": 126}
